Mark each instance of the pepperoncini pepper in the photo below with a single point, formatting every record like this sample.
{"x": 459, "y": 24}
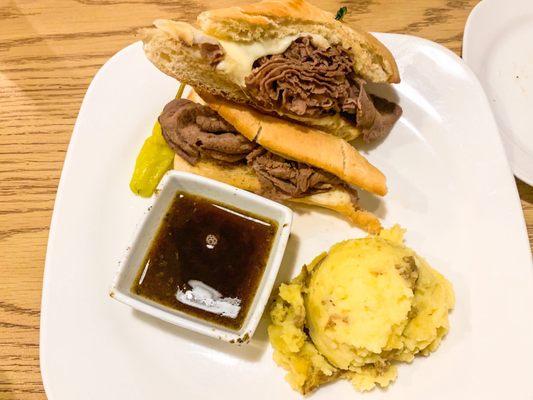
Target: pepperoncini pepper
{"x": 154, "y": 159}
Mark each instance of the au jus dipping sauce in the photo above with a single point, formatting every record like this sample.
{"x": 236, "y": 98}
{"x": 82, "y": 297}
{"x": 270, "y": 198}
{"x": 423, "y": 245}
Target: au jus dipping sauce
{"x": 206, "y": 260}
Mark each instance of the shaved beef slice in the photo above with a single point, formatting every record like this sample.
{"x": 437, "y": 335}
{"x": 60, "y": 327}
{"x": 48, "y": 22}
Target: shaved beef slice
{"x": 193, "y": 130}
{"x": 308, "y": 81}
{"x": 284, "y": 179}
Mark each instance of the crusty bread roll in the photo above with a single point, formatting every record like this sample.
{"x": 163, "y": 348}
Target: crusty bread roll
{"x": 243, "y": 177}
{"x": 174, "y": 47}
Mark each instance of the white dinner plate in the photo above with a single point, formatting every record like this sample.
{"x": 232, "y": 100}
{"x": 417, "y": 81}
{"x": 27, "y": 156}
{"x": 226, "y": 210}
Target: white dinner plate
{"x": 498, "y": 46}
{"x": 449, "y": 186}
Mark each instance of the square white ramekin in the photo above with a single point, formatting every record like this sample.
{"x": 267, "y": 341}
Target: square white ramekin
{"x": 173, "y": 182}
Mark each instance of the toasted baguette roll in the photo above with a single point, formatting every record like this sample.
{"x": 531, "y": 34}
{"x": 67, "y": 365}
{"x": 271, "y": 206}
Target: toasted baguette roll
{"x": 243, "y": 177}
{"x": 250, "y": 32}
{"x": 307, "y": 145}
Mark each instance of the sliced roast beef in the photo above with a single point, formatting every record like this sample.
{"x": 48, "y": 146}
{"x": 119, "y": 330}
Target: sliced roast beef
{"x": 284, "y": 179}
{"x": 375, "y": 116}
{"x": 193, "y": 130}
{"x": 308, "y": 81}
{"x": 304, "y": 80}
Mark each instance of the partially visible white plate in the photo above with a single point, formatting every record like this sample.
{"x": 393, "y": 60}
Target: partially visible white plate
{"x": 449, "y": 185}
{"x": 498, "y": 46}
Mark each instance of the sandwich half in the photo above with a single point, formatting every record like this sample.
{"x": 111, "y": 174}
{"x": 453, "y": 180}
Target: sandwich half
{"x": 288, "y": 59}
{"x": 241, "y": 147}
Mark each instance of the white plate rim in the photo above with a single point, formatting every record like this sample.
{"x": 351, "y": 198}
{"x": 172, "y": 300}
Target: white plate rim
{"x": 52, "y": 240}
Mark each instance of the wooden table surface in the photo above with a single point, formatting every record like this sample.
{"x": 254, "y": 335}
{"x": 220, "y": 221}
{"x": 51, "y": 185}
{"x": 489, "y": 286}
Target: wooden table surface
{"x": 49, "y": 52}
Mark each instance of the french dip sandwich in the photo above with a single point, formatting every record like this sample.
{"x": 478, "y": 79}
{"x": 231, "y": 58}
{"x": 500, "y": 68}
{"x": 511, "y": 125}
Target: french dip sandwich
{"x": 285, "y": 58}
{"x": 279, "y": 88}
{"x": 239, "y": 146}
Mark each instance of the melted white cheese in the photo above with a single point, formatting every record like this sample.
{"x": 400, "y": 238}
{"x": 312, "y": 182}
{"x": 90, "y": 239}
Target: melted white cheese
{"x": 240, "y": 57}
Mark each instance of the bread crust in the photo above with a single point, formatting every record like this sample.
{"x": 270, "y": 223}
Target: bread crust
{"x": 243, "y": 177}
{"x": 264, "y": 13}
{"x": 177, "y": 29}
{"x": 301, "y": 143}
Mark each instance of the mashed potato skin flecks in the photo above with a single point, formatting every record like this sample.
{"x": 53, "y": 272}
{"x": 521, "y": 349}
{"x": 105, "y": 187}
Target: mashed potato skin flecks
{"x": 356, "y": 310}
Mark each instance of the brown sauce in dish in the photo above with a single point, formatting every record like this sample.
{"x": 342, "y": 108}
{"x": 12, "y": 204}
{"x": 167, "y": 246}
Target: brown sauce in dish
{"x": 206, "y": 260}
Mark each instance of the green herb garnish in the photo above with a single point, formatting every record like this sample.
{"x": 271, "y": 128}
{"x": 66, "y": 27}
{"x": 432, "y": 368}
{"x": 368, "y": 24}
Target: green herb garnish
{"x": 341, "y": 13}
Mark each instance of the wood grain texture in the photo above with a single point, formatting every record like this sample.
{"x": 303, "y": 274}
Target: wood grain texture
{"x": 49, "y": 51}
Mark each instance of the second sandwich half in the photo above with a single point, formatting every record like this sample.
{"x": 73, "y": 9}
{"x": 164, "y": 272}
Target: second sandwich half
{"x": 238, "y": 146}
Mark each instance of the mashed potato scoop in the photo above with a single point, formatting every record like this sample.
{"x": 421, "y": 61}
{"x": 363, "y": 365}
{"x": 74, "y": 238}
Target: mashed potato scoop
{"x": 357, "y": 310}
